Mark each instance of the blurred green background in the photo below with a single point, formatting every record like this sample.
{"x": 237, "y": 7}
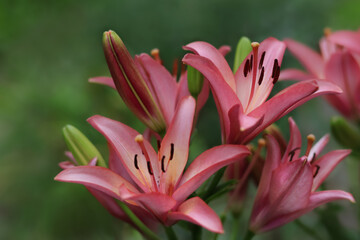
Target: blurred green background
{"x": 48, "y": 50}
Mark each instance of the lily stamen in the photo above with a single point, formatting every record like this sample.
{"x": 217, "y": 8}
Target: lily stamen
{"x": 310, "y": 142}
{"x": 155, "y": 53}
{"x": 140, "y": 140}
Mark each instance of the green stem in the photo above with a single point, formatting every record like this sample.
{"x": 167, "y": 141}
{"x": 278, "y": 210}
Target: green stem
{"x": 249, "y": 235}
{"x": 170, "y": 233}
{"x": 147, "y": 233}
{"x": 235, "y": 227}
{"x": 307, "y": 229}
{"x": 196, "y": 232}
{"x": 214, "y": 182}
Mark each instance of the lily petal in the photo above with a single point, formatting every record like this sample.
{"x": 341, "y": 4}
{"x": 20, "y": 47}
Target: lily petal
{"x": 157, "y": 203}
{"x": 121, "y": 138}
{"x": 270, "y": 51}
{"x": 316, "y": 199}
{"x": 99, "y": 178}
{"x": 281, "y": 103}
{"x": 324, "y": 165}
{"x": 209, "y": 52}
{"x": 272, "y": 161}
{"x": 310, "y": 59}
{"x": 294, "y": 146}
{"x": 322, "y": 197}
{"x": 348, "y": 39}
{"x": 207, "y": 164}
{"x": 162, "y": 83}
{"x": 174, "y": 148}
{"x": 107, "y": 81}
{"x": 294, "y": 74}
{"x": 198, "y": 212}
{"x": 224, "y": 96}
{"x": 318, "y": 147}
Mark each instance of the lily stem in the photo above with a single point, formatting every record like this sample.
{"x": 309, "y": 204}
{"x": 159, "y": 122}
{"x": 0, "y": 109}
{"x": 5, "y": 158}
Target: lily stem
{"x": 170, "y": 233}
{"x": 214, "y": 182}
{"x": 307, "y": 229}
{"x": 146, "y": 232}
{"x": 249, "y": 235}
{"x": 235, "y": 227}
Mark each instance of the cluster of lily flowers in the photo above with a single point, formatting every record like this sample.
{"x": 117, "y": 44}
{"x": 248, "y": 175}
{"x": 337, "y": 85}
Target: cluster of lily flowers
{"x": 148, "y": 187}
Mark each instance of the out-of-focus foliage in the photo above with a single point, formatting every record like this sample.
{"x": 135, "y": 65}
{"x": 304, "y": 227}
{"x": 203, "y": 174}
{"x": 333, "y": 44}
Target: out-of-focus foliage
{"x": 48, "y": 50}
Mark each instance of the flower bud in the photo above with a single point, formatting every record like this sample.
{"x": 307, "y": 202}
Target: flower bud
{"x": 195, "y": 81}
{"x": 242, "y": 50}
{"x": 81, "y": 147}
{"x": 346, "y": 134}
{"x": 130, "y": 84}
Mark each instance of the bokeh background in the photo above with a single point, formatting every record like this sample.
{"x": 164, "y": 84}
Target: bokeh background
{"x": 48, "y": 50}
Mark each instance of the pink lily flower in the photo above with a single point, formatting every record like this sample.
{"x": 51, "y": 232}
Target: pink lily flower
{"x": 288, "y": 184}
{"x": 241, "y": 99}
{"x": 146, "y": 86}
{"x": 108, "y": 202}
{"x": 339, "y": 63}
{"x": 152, "y": 181}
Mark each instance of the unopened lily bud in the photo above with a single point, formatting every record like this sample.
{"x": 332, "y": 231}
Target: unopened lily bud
{"x": 80, "y": 146}
{"x": 345, "y": 134}
{"x": 195, "y": 81}
{"x": 130, "y": 84}
{"x": 242, "y": 50}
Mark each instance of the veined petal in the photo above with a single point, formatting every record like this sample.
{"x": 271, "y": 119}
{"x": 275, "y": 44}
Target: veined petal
{"x": 324, "y": 88}
{"x": 198, "y": 212}
{"x": 240, "y": 125}
{"x": 99, "y": 178}
{"x": 107, "y": 81}
{"x": 174, "y": 148}
{"x": 155, "y": 202}
{"x": 224, "y": 96}
{"x": 294, "y": 74}
{"x": 322, "y": 197}
{"x": 122, "y": 140}
{"x": 290, "y": 187}
{"x": 310, "y": 59}
{"x": 316, "y": 199}
{"x": 162, "y": 83}
{"x": 324, "y": 165}
{"x": 294, "y": 146}
{"x": 272, "y": 161}
{"x": 206, "y": 165}
{"x": 348, "y": 39}
{"x": 116, "y": 165}
{"x": 254, "y": 86}
{"x": 281, "y": 103}
{"x": 343, "y": 70}
{"x": 209, "y": 52}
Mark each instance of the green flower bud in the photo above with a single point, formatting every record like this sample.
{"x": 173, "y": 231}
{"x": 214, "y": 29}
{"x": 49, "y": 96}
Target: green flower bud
{"x": 195, "y": 81}
{"x": 346, "y": 134}
{"x": 81, "y": 147}
{"x": 242, "y": 50}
